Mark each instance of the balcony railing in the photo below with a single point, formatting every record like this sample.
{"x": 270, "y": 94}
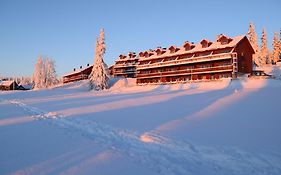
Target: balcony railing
{"x": 187, "y": 71}
{"x": 189, "y": 60}
{"x": 124, "y": 65}
{"x": 75, "y": 78}
{"x": 125, "y": 72}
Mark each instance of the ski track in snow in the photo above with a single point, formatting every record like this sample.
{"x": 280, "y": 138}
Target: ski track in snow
{"x": 162, "y": 154}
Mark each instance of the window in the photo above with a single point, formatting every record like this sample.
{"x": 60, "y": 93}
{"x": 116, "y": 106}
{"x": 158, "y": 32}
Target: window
{"x": 188, "y": 46}
{"x": 146, "y": 55}
{"x": 205, "y": 43}
{"x": 223, "y": 39}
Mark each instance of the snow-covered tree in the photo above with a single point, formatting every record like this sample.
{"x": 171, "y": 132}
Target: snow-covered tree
{"x": 25, "y": 80}
{"x": 38, "y": 75}
{"x": 270, "y": 57}
{"x": 99, "y": 76}
{"x": 280, "y": 45}
{"x": 254, "y": 41}
{"x": 51, "y": 78}
{"x": 44, "y": 75}
{"x": 276, "y": 47}
{"x": 264, "y": 49}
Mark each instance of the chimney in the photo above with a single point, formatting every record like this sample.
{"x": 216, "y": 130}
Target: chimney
{"x": 74, "y": 69}
{"x": 80, "y": 67}
{"x": 88, "y": 65}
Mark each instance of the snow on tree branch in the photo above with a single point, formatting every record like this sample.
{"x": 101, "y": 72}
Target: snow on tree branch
{"x": 100, "y": 75}
{"x": 44, "y": 75}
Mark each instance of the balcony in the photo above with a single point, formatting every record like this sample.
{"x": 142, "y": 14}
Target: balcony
{"x": 75, "y": 78}
{"x": 188, "y": 60}
{"x": 227, "y": 68}
{"x": 131, "y": 71}
{"x": 124, "y": 65}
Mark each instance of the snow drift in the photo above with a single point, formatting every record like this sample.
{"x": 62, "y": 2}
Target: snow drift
{"x": 217, "y": 127}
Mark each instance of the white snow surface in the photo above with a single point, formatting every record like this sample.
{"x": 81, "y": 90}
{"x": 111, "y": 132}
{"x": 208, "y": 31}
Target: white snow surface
{"x": 218, "y": 127}
{"x": 274, "y": 70}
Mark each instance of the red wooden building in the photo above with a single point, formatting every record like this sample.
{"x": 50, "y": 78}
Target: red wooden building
{"x": 78, "y": 74}
{"x": 125, "y": 66}
{"x": 8, "y": 85}
{"x": 81, "y": 74}
{"x": 224, "y": 57}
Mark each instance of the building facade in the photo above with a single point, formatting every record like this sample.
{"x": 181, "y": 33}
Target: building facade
{"x": 82, "y": 74}
{"x": 224, "y": 57}
{"x": 78, "y": 74}
{"x": 125, "y": 66}
{"x": 8, "y": 85}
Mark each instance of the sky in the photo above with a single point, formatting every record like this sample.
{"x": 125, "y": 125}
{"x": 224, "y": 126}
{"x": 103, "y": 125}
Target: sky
{"x": 66, "y": 30}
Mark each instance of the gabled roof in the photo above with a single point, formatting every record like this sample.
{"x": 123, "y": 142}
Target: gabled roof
{"x": 149, "y": 53}
{"x": 77, "y": 71}
{"x": 132, "y": 54}
{"x": 187, "y": 45}
{"x": 205, "y": 41}
{"x": 122, "y": 56}
{"x": 174, "y": 48}
{"x": 160, "y": 50}
{"x": 222, "y": 38}
{"x": 6, "y": 83}
{"x": 198, "y": 48}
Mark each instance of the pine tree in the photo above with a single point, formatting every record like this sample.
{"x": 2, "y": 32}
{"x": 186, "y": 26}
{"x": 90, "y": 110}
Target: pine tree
{"x": 270, "y": 57}
{"x": 254, "y": 41}
{"x": 280, "y": 45}
{"x": 276, "y": 47}
{"x": 47, "y": 65}
{"x": 264, "y": 49}
{"x": 100, "y": 76}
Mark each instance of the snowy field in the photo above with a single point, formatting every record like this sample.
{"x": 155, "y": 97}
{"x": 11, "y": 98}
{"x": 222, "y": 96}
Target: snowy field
{"x": 222, "y": 127}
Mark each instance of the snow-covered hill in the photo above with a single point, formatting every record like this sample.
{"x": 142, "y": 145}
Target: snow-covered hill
{"x": 217, "y": 127}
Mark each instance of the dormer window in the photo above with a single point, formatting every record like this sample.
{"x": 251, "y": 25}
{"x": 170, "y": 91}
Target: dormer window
{"x": 132, "y": 54}
{"x": 159, "y": 51}
{"x": 223, "y": 39}
{"x": 141, "y": 54}
{"x": 188, "y": 46}
{"x": 173, "y": 49}
{"x": 146, "y": 54}
{"x": 122, "y": 56}
{"x": 205, "y": 43}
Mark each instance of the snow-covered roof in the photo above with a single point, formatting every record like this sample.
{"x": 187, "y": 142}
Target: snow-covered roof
{"x": 198, "y": 47}
{"x": 27, "y": 86}
{"x": 126, "y": 58}
{"x": 76, "y": 71}
{"x": 6, "y": 83}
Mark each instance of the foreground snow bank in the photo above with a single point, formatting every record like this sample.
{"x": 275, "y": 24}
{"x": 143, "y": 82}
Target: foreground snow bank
{"x": 217, "y": 127}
